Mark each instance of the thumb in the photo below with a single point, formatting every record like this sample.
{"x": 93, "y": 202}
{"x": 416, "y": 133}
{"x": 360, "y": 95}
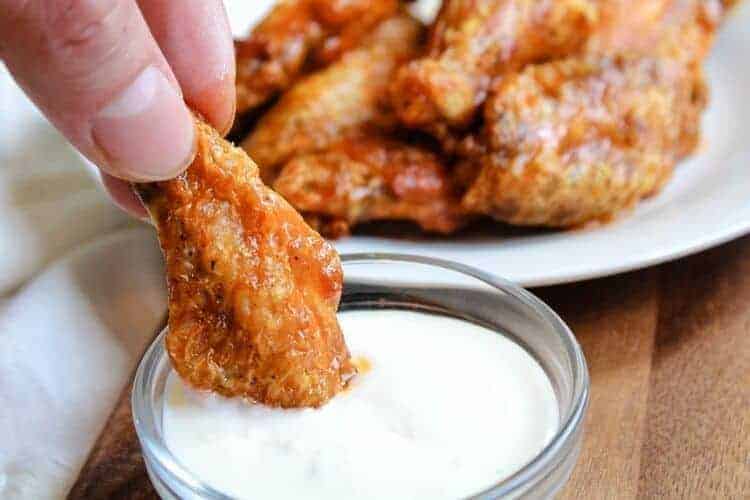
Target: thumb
{"x": 95, "y": 70}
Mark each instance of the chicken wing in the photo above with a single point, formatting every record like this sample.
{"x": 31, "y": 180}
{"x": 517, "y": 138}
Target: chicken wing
{"x": 298, "y": 35}
{"x": 374, "y": 178}
{"x": 253, "y": 291}
{"x": 579, "y": 139}
{"x": 336, "y": 101}
{"x": 474, "y": 41}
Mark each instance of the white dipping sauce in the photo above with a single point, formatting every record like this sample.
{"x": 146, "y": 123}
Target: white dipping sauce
{"x": 447, "y": 409}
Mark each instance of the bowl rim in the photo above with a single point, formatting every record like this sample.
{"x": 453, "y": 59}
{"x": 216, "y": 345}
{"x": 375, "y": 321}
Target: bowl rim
{"x": 527, "y": 475}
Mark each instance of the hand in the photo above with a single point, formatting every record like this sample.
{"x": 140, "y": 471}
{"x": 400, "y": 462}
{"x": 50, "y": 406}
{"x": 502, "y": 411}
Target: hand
{"x": 114, "y": 76}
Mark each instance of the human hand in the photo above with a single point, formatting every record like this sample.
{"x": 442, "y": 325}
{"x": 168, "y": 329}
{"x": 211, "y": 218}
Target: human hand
{"x": 114, "y": 76}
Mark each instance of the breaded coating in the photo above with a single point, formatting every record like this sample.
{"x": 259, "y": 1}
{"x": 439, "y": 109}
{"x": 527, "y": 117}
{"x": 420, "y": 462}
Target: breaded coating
{"x": 580, "y": 139}
{"x": 253, "y": 291}
{"x": 335, "y": 102}
{"x": 474, "y": 41}
{"x": 374, "y": 178}
{"x": 298, "y": 36}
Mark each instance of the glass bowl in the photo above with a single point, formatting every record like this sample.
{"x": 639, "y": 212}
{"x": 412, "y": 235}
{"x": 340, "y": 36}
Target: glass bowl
{"x": 381, "y": 281}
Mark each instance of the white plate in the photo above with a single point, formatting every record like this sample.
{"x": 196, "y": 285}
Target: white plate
{"x": 706, "y": 203}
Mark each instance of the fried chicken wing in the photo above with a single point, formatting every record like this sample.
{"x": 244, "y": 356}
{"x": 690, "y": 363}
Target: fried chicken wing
{"x": 336, "y": 101}
{"x": 474, "y": 41}
{"x": 373, "y": 178}
{"x": 253, "y": 291}
{"x": 580, "y": 139}
{"x": 298, "y": 35}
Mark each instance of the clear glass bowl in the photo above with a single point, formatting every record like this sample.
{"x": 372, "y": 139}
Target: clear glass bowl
{"x": 379, "y": 281}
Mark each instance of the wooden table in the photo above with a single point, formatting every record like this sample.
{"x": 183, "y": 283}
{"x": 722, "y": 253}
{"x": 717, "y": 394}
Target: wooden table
{"x": 669, "y": 355}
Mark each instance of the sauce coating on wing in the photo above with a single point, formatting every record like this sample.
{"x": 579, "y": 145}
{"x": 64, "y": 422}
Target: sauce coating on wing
{"x": 373, "y": 178}
{"x": 298, "y": 35}
{"x": 337, "y": 101}
{"x": 253, "y": 291}
{"x": 580, "y": 139}
{"x": 474, "y": 41}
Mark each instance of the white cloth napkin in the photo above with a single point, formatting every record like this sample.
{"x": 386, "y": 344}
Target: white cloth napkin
{"x": 68, "y": 342}
{"x": 81, "y": 293}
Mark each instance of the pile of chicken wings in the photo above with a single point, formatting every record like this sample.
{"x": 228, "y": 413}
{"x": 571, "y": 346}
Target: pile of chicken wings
{"x": 550, "y": 113}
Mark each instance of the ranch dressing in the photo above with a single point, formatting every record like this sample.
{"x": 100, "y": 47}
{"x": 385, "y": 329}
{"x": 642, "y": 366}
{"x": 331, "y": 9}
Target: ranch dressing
{"x": 442, "y": 408}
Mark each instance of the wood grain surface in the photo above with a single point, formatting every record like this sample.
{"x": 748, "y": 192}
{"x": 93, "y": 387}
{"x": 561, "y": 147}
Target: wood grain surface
{"x": 669, "y": 355}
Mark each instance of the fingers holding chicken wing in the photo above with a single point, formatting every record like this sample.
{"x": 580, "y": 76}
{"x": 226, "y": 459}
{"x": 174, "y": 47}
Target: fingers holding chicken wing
{"x": 374, "y": 178}
{"x": 298, "y": 35}
{"x": 253, "y": 291}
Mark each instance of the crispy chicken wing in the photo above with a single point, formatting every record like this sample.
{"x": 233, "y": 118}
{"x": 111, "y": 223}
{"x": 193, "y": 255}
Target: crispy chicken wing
{"x": 298, "y": 35}
{"x": 336, "y": 101}
{"x": 579, "y": 139}
{"x": 253, "y": 291}
{"x": 374, "y": 178}
{"x": 474, "y": 41}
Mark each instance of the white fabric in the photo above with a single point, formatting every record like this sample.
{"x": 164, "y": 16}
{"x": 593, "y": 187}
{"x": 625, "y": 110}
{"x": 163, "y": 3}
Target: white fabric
{"x": 69, "y": 340}
{"x": 81, "y": 294}
{"x": 49, "y": 200}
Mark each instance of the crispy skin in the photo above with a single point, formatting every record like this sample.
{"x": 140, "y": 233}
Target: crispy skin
{"x": 648, "y": 26}
{"x": 374, "y": 178}
{"x": 580, "y": 139}
{"x": 335, "y": 102}
{"x": 253, "y": 291}
{"x": 298, "y": 35}
{"x": 474, "y": 41}
{"x": 627, "y": 25}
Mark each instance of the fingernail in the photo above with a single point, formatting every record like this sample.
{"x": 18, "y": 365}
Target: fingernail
{"x": 124, "y": 196}
{"x": 217, "y": 102}
{"x": 229, "y": 123}
{"x": 146, "y": 132}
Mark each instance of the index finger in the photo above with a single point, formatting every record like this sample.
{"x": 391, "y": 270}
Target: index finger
{"x": 194, "y": 36}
